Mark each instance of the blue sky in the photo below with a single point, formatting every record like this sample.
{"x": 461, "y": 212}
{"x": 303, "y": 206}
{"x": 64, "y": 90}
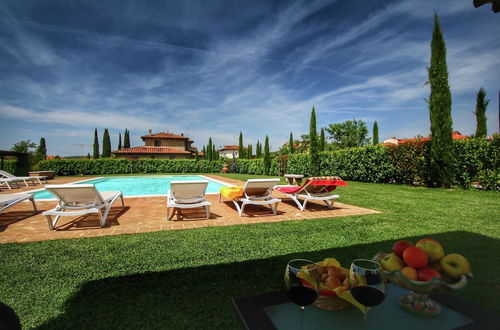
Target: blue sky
{"x": 213, "y": 68}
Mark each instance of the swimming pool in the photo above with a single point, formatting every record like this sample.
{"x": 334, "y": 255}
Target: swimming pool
{"x": 140, "y": 185}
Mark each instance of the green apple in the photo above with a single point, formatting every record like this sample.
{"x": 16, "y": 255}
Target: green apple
{"x": 433, "y": 249}
{"x": 391, "y": 262}
{"x": 455, "y": 265}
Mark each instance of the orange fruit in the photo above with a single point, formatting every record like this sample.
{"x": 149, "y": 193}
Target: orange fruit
{"x": 410, "y": 273}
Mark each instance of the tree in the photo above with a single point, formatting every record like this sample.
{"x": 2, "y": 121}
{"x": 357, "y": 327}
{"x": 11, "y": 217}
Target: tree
{"x": 126, "y": 139}
{"x": 375, "y": 133}
{"x": 441, "y": 156}
{"x": 106, "y": 144}
{"x": 42, "y": 149}
{"x": 88, "y": 155}
{"x": 209, "y": 150}
{"x": 249, "y": 152}
{"x": 119, "y": 140}
{"x": 196, "y": 156}
{"x": 267, "y": 157}
{"x": 322, "y": 140}
{"x": 481, "y": 105}
{"x": 204, "y": 153}
{"x": 25, "y": 146}
{"x": 349, "y": 134}
{"x": 241, "y": 149}
{"x": 96, "y": 145}
{"x": 313, "y": 145}
{"x": 215, "y": 154}
{"x": 258, "y": 150}
{"x": 291, "y": 147}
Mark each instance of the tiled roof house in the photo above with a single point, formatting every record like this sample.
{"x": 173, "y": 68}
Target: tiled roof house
{"x": 160, "y": 145}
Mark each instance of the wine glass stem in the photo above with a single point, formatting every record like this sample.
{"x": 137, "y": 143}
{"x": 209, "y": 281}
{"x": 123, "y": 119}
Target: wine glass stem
{"x": 366, "y": 317}
{"x": 301, "y": 312}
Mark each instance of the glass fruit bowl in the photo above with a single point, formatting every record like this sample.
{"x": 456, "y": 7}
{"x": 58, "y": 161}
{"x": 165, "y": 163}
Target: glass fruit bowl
{"x": 418, "y": 301}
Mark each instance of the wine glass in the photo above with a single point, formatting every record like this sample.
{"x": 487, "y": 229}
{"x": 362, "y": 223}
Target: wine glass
{"x": 302, "y": 283}
{"x": 367, "y": 284}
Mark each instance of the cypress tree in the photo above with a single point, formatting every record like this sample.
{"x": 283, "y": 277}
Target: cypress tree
{"x": 241, "y": 150}
{"x": 42, "y": 149}
{"x": 204, "y": 153}
{"x": 291, "y": 147}
{"x": 258, "y": 151}
{"x": 196, "y": 156}
{"x": 126, "y": 139}
{"x": 441, "y": 157}
{"x": 215, "y": 155}
{"x": 481, "y": 105}
{"x": 322, "y": 140}
{"x": 106, "y": 144}
{"x": 88, "y": 155}
{"x": 119, "y": 140}
{"x": 96, "y": 145}
{"x": 267, "y": 157}
{"x": 249, "y": 152}
{"x": 209, "y": 150}
{"x": 313, "y": 145}
{"x": 375, "y": 133}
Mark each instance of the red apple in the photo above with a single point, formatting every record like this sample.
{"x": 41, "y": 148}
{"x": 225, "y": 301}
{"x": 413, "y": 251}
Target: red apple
{"x": 433, "y": 248}
{"x": 391, "y": 262}
{"x": 427, "y": 274}
{"x": 415, "y": 257}
{"x": 455, "y": 265}
{"x": 400, "y": 246}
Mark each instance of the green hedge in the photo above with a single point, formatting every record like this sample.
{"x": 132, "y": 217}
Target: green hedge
{"x": 475, "y": 160}
{"x": 9, "y": 165}
{"x": 124, "y": 166}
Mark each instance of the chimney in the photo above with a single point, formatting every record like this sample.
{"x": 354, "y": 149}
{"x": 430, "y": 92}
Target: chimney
{"x": 150, "y": 132}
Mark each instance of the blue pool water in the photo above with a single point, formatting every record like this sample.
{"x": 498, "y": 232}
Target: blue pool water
{"x": 139, "y": 185}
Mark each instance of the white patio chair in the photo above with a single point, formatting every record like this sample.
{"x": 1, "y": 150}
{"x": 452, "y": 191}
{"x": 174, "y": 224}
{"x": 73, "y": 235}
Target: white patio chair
{"x": 8, "y": 175}
{"x": 256, "y": 192}
{"x": 80, "y": 199}
{"x": 187, "y": 195}
{"x": 9, "y": 200}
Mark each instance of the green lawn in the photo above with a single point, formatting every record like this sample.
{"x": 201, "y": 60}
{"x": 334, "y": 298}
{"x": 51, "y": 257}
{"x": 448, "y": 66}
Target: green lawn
{"x": 185, "y": 279}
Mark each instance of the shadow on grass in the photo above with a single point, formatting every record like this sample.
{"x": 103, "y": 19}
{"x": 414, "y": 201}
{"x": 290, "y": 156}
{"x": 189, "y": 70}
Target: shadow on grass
{"x": 200, "y": 297}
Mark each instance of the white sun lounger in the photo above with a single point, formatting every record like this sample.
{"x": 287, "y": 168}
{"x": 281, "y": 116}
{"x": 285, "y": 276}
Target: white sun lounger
{"x": 9, "y": 200}
{"x": 187, "y": 195}
{"x": 80, "y": 199}
{"x": 257, "y": 192}
{"x": 11, "y": 176}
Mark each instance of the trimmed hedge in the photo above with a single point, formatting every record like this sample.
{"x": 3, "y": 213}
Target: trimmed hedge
{"x": 475, "y": 159}
{"x": 124, "y": 166}
{"x": 9, "y": 165}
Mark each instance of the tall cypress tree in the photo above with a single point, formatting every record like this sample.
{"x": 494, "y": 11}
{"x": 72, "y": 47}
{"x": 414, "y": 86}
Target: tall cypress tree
{"x": 441, "y": 157}
{"x": 481, "y": 105}
{"x": 322, "y": 140}
{"x": 42, "y": 149}
{"x": 96, "y": 145}
{"x": 106, "y": 144}
{"x": 215, "y": 154}
{"x": 209, "y": 150}
{"x": 291, "y": 147}
{"x": 241, "y": 150}
{"x": 249, "y": 152}
{"x": 196, "y": 156}
{"x": 375, "y": 133}
{"x": 204, "y": 153}
{"x": 119, "y": 140}
{"x": 267, "y": 157}
{"x": 126, "y": 139}
{"x": 88, "y": 155}
{"x": 258, "y": 150}
{"x": 313, "y": 145}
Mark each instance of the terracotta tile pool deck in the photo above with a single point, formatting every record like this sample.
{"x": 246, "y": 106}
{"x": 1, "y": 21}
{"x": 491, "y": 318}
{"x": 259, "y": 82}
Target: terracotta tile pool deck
{"x": 148, "y": 214}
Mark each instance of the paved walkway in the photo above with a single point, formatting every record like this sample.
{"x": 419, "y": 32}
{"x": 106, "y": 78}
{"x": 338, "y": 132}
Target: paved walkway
{"x": 148, "y": 214}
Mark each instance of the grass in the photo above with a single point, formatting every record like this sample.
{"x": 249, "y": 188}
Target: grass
{"x": 185, "y": 279}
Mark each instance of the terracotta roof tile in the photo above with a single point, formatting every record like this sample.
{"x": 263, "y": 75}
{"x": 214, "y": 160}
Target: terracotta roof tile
{"x": 235, "y": 147}
{"x": 163, "y": 135}
{"x": 151, "y": 150}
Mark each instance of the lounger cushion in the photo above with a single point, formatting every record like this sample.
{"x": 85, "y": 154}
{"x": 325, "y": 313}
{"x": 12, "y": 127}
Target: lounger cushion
{"x": 231, "y": 192}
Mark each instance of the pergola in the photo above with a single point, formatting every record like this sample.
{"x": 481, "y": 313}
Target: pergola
{"x": 4, "y": 153}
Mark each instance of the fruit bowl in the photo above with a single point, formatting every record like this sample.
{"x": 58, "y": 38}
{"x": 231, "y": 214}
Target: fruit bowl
{"x": 418, "y": 301}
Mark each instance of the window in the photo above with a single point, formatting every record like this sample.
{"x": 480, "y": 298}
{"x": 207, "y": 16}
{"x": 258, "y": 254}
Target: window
{"x": 157, "y": 143}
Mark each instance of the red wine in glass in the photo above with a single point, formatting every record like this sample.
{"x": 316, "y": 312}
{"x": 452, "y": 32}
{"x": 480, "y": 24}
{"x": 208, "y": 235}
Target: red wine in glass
{"x": 367, "y": 295}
